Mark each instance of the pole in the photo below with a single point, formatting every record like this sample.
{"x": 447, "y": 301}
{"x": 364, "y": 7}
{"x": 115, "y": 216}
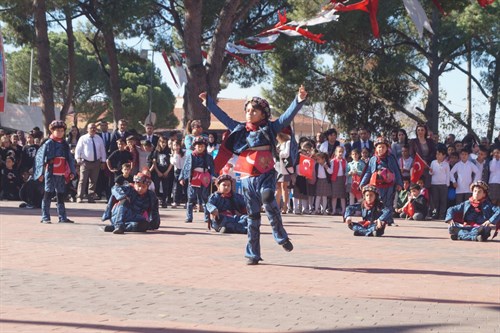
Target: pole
{"x": 151, "y": 84}
{"x": 31, "y": 78}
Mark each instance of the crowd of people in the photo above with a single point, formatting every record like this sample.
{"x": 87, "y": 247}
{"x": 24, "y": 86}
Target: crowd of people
{"x": 421, "y": 178}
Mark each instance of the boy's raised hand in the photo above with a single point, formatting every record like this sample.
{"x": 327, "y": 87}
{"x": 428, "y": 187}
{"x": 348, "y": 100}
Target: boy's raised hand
{"x": 302, "y": 92}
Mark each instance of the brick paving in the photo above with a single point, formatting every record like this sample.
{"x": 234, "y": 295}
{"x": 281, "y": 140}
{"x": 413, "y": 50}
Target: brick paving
{"x": 183, "y": 278}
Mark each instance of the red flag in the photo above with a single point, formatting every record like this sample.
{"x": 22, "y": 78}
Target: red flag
{"x": 306, "y": 166}
{"x": 3, "y": 86}
{"x": 417, "y": 170}
{"x": 484, "y": 3}
{"x": 409, "y": 210}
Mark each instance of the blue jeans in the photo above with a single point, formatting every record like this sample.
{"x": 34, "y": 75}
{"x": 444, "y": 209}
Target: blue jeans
{"x": 260, "y": 191}
{"x": 197, "y": 194}
{"x": 359, "y": 230}
{"x": 233, "y": 224}
{"x": 53, "y": 184}
{"x": 468, "y": 233}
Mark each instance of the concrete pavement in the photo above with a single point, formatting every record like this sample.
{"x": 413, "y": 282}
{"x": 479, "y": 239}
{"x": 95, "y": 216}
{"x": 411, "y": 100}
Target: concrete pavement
{"x": 183, "y": 278}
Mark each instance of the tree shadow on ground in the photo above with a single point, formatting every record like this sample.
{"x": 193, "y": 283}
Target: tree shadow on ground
{"x": 389, "y": 271}
{"x": 142, "y": 329}
{"x": 490, "y": 305}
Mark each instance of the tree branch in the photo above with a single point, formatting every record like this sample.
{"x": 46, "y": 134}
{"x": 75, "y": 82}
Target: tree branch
{"x": 457, "y": 66}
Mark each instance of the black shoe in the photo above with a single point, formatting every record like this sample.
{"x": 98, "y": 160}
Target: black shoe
{"x": 163, "y": 205}
{"x": 251, "y": 261}
{"x": 66, "y": 220}
{"x": 23, "y": 205}
{"x": 119, "y": 231}
{"x": 108, "y": 228}
{"x": 288, "y": 246}
{"x": 454, "y": 237}
{"x": 188, "y": 220}
{"x": 45, "y": 221}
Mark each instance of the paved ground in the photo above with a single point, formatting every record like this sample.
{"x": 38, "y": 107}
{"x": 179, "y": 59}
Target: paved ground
{"x": 183, "y": 278}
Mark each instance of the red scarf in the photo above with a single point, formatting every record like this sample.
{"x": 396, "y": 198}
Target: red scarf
{"x": 381, "y": 157}
{"x": 252, "y": 127}
{"x": 56, "y": 139}
{"x": 368, "y": 206}
{"x": 336, "y": 163}
{"x": 195, "y": 153}
{"x": 229, "y": 195}
{"x": 476, "y": 204}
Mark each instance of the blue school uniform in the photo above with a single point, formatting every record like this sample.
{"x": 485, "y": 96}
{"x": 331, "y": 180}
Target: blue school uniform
{"x": 386, "y": 191}
{"x": 137, "y": 213}
{"x": 49, "y": 160}
{"x": 368, "y": 225}
{"x": 197, "y": 192}
{"x": 258, "y": 189}
{"x": 231, "y": 210}
{"x": 472, "y": 219}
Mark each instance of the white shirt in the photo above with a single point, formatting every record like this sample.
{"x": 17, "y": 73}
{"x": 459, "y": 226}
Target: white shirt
{"x": 464, "y": 172}
{"x": 440, "y": 173}
{"x": 494, "y": 171}
{"x": 322, "y": 173}
{"x": 84, "y": 149}
{"x": 177, "y": 161}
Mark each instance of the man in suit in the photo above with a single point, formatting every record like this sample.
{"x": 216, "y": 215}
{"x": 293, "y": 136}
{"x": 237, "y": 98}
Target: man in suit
{"x": 364, "y": 141}
{"x": 349, "y": 145}
{"x": 119, "y": 132}
{"x": 104, "y": 134}
{"x": 150, "y": 136}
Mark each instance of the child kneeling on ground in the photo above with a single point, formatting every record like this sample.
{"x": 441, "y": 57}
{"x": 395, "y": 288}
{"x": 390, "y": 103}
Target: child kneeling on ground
{"x": 416, "y": 207}
{"x": 132, "y": 208}
{"x": 374, "y": 214}
{"x": 227, "y": 209}
{"x": 473, "y": 219}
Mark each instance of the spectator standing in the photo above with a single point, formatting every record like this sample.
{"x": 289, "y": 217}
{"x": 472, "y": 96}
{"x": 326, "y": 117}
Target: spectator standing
{"x": 73, "y": 137}
{"x": 425, "y": 147}
{"x": 150, "y": 136}
{"x": 163, "y": 171}
{"x": 440, "y": 180}
{"x": 462, "y": 176}
{"x": 397, "y": 147}
{"x": 120, "y": 132}
{"x": 331, "y": 143}
{"x": 364, "y": 141}
{"x": 349, "y": 146}
{"x": 494, "y": 180}
{"x": 91, "y": 156}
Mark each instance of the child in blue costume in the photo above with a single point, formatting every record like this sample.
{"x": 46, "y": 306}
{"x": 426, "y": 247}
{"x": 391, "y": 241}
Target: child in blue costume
{"x": 383, "y": 172}
{"x": 198, "y": 171}
{"x": 374, "y": 214}
{"x": 227, "y": 209}
{"x": 473, "y": 219}
{"x": 54, "y": 165}
{"x": 255, "y": 142}
{"x": 132, "y": 208}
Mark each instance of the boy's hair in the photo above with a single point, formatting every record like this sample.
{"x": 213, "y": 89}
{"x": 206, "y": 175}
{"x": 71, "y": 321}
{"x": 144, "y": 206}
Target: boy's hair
{"x": 355, "y": 150}
{"x": 406, "y": 179}
{"x": 121, "y": 140}
{"x": 454, "y": 154}
{"x": 126, "y": 166}
{"x": 407, "y": 146}
{"x": 442, "y": 150}
{"x": 415, "y": 187}
{"x": 483, "y": 148}
{"x": 321, "y": 155}
{"x": 464, "y": 151}
{"x": 146, "y": 143}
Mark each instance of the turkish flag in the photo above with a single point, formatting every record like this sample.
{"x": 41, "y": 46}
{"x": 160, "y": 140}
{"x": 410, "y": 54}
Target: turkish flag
{"x": 409, "y": 210}
{"x": 306, "y": 166}
{"x": 417, "y": 170}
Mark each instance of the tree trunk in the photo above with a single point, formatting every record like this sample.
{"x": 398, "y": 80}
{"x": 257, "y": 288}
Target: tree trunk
{"x": 432, "y": 105}
{"x": 494, "y": 98}
{"x": 469, "y": 84}
{"x": 70, "y": 85}
{"x": 114, "y": 78}
{"x": 43, "y": 59}
{"x": 196, "y": 72}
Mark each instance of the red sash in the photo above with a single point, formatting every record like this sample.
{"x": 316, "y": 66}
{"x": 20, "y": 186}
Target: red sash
{"x": 199, "y": 179}
{"x": 59, "y": 166}
{"x": 254, "y": 162}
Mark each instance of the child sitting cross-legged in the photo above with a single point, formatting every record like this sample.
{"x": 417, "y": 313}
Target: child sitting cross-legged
{"x": 132, "y": 208}
{"x": 227, "y": 209}
{"x": 473, "y": 219}
{"x": 417, "y": 206}
{"x": 373, "y": 213}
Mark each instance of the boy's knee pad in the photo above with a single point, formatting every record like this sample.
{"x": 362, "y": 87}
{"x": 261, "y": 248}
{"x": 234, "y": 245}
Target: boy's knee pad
{"x": 267, "y": 196}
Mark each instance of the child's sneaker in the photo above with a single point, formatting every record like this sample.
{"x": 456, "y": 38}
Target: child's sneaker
{"x": 174, "y": 205}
